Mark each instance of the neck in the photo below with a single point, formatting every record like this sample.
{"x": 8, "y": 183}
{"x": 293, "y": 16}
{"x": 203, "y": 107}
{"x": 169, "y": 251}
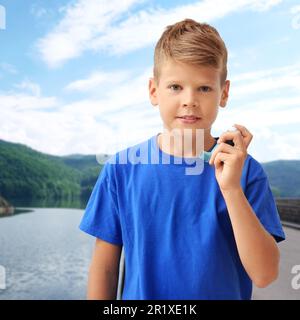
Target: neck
{"x": 185, "y": 144}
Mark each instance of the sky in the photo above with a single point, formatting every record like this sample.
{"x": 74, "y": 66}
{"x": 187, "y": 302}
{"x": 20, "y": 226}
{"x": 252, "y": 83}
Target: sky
{"x": 74, "y": 73}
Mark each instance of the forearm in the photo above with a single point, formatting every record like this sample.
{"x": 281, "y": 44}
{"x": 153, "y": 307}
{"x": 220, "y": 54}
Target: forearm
{"x": 102, "y": 284}
{"x": 257, "y": 249}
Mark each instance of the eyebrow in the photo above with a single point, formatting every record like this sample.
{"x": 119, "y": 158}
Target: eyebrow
{"x": 201, "y": 83}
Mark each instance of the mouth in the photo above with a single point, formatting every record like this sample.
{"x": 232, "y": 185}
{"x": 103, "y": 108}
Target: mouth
{"x": 189, "y": 119}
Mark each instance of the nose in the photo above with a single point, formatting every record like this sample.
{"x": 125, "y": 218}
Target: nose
{"x": 189, "y": 99}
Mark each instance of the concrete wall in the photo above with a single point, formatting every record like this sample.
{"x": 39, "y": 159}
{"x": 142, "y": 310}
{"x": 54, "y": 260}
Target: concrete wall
{"x": 289, "y": 209}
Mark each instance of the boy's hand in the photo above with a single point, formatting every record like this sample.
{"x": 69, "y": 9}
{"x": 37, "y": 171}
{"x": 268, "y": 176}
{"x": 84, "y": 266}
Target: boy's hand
{"x": 247, "y": 136}
{"x": 229, "y": 160}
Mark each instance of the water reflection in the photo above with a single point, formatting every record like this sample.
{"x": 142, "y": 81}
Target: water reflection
{"x": 45, "y": 255}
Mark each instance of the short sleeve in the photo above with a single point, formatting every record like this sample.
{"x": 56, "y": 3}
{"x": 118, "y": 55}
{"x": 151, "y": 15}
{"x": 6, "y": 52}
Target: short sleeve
{"x": 101, "y": 217}
{"x": 260, "y": 197}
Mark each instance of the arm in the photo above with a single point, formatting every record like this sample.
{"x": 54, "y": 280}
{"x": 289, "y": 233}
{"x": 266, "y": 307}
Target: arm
{"x": 257, "y": 249}
{"x": 104, "y": 271}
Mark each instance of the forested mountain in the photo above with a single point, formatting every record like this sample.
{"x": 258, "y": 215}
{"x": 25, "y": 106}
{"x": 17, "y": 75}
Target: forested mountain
{"x": 28, "y": 174}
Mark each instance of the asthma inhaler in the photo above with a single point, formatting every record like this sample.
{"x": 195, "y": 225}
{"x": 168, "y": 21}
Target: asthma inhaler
{"x": 205, "y": 155}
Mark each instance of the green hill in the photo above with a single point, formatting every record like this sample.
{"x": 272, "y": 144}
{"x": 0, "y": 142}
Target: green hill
{"x": 82, "y": 162}
{"x": 284, "y": 177}
{"x": 29, "y": 174}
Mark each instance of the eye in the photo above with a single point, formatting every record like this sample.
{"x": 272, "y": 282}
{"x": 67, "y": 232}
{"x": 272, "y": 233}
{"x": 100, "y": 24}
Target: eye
{"x": 175, "y": 86}
{"x": 205, "y": 89}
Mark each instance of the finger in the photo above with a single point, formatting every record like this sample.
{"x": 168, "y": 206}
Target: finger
{"x": 244, "y": 131}
{"x": 247, "y": 136}
{"x": 220, "y": 158}
{"x": 235, "y": 136}
{"x": 222, "y": 147}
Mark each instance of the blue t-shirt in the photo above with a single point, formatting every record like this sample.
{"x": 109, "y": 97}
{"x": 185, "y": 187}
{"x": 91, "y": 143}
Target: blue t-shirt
{"x": 175, "y": 228}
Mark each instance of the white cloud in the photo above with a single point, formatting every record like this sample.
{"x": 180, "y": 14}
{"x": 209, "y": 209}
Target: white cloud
{"x": 92, "y": 25}
{"x": 279, "y": 81}
{"x": 96, "y": 79}
{"x": 29, "y": 86}
{"x": 81, "y": 23}
{"x": 116, "y": 97}
{"x": 17, "y": 102}
{"x": 268, "y": 142}
{"x": 271, "y": 83}
{"x": 263, "y": 99}
{"x": 270, "y": 145}
{"x": 295, "y": 9}
{"x": 37, "y": 11}
{"x": 26, "y": 97}
{"x": 124, "y": 116}
{"x": 264, "y": 5}
{"x": 105, "y": 124}
{"x": 54, "y": 132}
{"x": 124, "y": 38}
{"x": 7, "y": 67}
{"x": 296, "y": 19}
{"x": 260, "y": 74}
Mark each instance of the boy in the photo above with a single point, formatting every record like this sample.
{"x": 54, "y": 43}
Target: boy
{"x": 205, "y": 236}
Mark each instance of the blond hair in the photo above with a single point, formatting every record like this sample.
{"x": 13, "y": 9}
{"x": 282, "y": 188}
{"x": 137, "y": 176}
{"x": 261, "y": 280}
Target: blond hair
{"x": 191, "y": 42}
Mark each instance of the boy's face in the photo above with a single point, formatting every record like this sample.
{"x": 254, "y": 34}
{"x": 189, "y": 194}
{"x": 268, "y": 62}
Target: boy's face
{"x": 187, "y": 90}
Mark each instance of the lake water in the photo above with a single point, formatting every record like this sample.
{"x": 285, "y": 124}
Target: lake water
{"x": 45, "y": 255}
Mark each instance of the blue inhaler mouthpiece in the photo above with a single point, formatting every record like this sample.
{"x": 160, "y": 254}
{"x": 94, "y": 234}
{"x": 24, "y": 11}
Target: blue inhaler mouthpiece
{"x": 205, "y": 155}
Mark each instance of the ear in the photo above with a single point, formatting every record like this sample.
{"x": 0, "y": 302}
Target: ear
{"x": 225, "y": 94}
{"x": 153, "y": 92}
